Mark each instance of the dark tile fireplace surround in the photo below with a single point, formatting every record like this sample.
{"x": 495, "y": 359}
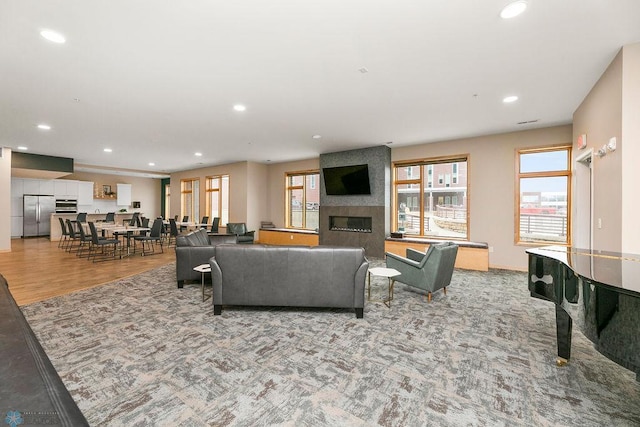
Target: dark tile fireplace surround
{"x": 361, "y": 220}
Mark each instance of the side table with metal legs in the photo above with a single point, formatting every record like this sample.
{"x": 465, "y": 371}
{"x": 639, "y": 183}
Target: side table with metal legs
{"x": 389, "y": 273}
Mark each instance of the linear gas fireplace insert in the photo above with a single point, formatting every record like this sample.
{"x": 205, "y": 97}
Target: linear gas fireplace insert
{"x": 357, "y": 224}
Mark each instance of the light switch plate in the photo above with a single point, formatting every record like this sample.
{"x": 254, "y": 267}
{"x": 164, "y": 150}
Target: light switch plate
{"x": 612, "y": 144}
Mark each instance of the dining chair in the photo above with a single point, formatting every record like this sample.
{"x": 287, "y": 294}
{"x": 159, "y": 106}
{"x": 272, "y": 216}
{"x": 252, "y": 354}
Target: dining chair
{"x": 184, "y": 219}
{"x": 204, "y": 222}
{"x": 73, "y": 236}
{"x": 111, "y": 217}
{"x": 149, "y": 241}
{"x": 173, "y": 232}
{"x": 85, "y": 241}
{"x": 64, "y": 237}
{"x": 215, "y": 224}
{"x": 97, "y": 242}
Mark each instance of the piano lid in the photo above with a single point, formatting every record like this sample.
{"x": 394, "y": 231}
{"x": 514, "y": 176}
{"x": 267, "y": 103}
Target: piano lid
{"x": 614, "y": 269}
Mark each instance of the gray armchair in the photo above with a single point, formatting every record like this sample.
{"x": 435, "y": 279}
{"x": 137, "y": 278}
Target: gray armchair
{"x": 240, "y": 230}
{"x": 430, "y": 271}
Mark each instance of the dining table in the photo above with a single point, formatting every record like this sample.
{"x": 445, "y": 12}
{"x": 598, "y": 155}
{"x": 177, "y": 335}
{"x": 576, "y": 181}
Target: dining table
{"x": 126, "y": 231}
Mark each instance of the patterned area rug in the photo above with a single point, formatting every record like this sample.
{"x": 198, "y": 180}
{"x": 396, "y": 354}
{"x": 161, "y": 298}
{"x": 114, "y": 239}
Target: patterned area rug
{"x": 140, "y": 351}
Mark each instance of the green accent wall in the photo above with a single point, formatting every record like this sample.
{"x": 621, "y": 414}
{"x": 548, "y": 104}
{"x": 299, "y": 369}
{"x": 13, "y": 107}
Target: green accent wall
{"x": 40, "y": 162}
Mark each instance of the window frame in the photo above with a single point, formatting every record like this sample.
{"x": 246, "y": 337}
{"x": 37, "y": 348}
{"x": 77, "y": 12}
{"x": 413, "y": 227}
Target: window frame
{"x": 287, "y": 197}
{"x": 568, "y": 173}
{"x": 194, "y": 209}
{"x": 209, "y": 190}
{"x": 425, "y": 165}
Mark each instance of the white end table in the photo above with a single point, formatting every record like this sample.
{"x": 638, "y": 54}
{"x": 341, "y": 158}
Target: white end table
{"x": 203, "y": 269}
{"x": 389, "y": 273}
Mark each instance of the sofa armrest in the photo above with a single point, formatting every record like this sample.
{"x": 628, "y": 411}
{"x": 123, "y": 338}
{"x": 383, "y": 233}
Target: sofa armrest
{"x": 188, "y": 257}
{"x": 359, "y": 284}
{"x": 216, "y": 284}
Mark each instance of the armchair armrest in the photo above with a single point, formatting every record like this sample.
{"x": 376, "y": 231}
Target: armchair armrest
{"x": 250, "y": 233}
{"x": 403, "y": 260}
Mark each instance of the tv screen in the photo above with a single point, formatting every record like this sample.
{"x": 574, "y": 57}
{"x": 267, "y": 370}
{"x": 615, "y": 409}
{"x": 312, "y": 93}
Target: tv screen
{"x": 346, "y": 180}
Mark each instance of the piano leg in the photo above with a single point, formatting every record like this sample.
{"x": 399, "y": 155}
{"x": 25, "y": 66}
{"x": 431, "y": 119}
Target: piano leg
{"x": 564, "y": 325}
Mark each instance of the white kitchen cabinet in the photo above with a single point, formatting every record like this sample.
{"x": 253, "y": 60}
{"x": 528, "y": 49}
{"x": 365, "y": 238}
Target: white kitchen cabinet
{"x": 85, "y": 193}
{"x": 65, "y": 188}
{"x": 31, "y": 186}
{"x": 124, "y": 194}
{"x": 46, "y": 187}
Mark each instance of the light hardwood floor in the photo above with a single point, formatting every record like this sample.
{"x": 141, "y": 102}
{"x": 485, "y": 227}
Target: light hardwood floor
{"x": 36, "y": 269}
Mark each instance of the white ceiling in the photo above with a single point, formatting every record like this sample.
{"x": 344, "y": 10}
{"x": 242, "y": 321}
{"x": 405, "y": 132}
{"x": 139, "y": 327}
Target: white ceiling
{"x": 156, "y": 80}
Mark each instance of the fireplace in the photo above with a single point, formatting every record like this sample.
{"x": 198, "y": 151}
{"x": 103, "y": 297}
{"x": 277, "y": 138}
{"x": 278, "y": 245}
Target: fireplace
{"x": 357, "y": 224}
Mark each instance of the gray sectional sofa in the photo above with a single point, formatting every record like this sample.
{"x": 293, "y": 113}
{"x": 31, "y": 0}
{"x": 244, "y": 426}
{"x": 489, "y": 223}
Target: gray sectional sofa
{"x": 196, "y": 248}
{"x": 29, "y": 381}
{"x": 292, "y": 276}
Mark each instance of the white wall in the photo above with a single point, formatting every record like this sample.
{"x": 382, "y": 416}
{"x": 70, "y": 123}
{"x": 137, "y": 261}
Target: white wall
{"x": 629, "y": 147}
{"x": 5, "y": 200}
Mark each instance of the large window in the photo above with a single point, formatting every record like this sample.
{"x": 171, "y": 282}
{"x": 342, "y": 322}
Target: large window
{"x": 428, "y": 207}
{"x": 303, "y": 200}
{"x": 218, "y": 198}
{"x": 190, "y": 199}
{"x": 543, "y": 195}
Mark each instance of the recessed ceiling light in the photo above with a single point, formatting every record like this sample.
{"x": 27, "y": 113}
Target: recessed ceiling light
{"x": 513, "y": 9}
{"x": 363, "y": 70}
{"x": 151, "y": 164}
{"x": 107, "y": 150}
{"x": 44, "y": 127}
{"x": 52, "y": 36}
{"x": 198, "y": 154}
{"x": 239, "y": 107}
{"x": 22, "y": 147}
{"x": 316, "y": 136}
{"x": 510, "y": 99}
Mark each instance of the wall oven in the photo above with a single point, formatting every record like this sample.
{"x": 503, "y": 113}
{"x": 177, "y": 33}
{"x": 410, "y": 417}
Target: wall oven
{"x": 66, "y": 206}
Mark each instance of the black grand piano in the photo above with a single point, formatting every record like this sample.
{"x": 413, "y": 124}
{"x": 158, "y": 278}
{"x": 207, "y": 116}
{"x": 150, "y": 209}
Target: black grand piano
{"x": 599, "y": 291}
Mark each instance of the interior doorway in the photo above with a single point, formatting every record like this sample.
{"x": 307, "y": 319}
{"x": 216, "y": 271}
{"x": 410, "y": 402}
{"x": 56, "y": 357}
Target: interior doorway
{"x": 583, "y": 214}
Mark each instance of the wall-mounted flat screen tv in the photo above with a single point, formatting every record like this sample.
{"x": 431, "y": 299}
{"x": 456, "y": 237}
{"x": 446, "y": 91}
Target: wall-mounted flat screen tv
{"x": 346, "y": 180}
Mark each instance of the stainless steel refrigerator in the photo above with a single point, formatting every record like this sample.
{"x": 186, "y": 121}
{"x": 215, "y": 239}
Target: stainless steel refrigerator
{"x": 36, "y": 220}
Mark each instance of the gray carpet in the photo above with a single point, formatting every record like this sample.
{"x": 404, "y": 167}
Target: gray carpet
{"x": 142, "y": 352}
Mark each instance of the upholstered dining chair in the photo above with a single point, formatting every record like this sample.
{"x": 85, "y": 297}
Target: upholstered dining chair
{"x": 215, "y": 224}
{"x": 64, "y": 237}
{"x": 98, "y": 243}
{"x": 150, "y": 241}
{"x": 111, "y": 217}
{"x": 184, "y": 219}
{"x": 73, "y": 236}
{"x": 428, "y": 271}
{"x": 173, "y": 232}
{"x": 204, "y": 222}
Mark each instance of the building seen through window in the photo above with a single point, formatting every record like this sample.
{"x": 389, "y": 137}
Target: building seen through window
{"x": 432, "y": 208}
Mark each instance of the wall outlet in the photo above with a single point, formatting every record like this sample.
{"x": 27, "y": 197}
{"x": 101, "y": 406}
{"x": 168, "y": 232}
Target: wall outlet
{"x": 599, "y": 222}
{"x": 490, "y": 248}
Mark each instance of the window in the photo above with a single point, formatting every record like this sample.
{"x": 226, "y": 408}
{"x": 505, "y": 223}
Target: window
{"x": 217, "y": 191}
{"x": 303, "y": 200}
{"x": 424, "y": 210}
{"x": 190, "y": 198}
{"x": 543, "y": 188}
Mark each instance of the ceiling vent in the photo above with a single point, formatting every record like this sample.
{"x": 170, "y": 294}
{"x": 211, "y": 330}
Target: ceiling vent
{"x": 528, "y": 122}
